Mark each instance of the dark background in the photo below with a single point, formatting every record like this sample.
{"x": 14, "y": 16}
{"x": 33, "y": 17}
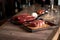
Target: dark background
{"x": 9, "y": 6}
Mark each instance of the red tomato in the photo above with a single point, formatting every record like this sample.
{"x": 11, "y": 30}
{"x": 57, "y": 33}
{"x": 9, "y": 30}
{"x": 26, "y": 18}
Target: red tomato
{"x": 40, "y": 11}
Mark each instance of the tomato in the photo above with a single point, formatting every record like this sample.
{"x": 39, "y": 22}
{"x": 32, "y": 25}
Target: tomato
{"x": 40, "y": 11}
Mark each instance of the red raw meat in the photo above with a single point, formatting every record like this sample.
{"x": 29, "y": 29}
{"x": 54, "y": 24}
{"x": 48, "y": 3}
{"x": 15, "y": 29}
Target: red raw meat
{"x": 24, "y": 17}
{"x": 35, "y": 23}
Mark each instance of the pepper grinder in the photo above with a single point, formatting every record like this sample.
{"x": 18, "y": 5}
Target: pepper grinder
{"x": 52, "y": 4}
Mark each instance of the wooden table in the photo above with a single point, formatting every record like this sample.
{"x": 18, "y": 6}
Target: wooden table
{"x": 9, "y": 31}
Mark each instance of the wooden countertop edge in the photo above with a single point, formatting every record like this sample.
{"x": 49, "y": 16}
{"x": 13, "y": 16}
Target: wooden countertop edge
{"x": 54, "y": 35}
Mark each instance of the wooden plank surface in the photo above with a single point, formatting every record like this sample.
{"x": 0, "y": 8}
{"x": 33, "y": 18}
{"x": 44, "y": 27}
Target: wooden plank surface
{"x": 14, "y": 32}
{"x": 56, "y": 35}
